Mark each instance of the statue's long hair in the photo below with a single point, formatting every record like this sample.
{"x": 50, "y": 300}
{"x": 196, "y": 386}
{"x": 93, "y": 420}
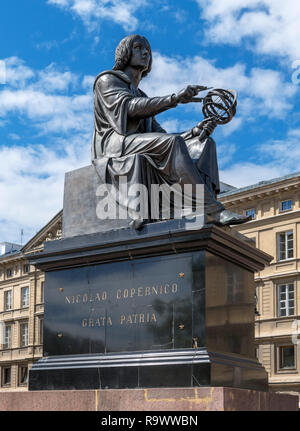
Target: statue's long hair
{"x": 124, "y": 51}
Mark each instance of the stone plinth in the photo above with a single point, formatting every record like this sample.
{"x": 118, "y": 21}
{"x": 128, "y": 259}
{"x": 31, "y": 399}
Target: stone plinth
{"x": 155, "y": 399}
{"x": 81, "y": 200}
{"x": 169, "y": 306}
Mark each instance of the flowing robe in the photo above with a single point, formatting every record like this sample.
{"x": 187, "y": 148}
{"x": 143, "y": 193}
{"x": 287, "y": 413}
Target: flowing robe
{"x": 128, "y": 141}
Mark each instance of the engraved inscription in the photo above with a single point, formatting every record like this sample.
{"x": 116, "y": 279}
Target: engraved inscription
{"x": 78, "y": 299}
{"x": 163, "y": 289}
{"x": 96, "y": 322}
{"x": 119, "y": 295}
{"x": 131, "y": 319}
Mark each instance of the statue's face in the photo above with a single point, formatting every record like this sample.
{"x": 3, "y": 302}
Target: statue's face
{"x": 140, "y": 55}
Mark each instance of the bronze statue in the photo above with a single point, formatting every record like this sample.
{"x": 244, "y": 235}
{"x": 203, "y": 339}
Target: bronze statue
{"x": 128, "y": 140}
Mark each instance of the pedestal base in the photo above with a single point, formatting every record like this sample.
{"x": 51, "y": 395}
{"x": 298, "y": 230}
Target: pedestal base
{"x": 155, "y": 399}
{"x": 168, "y": 368}
{"x": 170, "y": 306}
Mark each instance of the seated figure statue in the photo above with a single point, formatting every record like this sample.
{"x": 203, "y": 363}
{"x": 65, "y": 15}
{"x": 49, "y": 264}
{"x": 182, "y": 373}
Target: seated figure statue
{"x": 128, "y": 141}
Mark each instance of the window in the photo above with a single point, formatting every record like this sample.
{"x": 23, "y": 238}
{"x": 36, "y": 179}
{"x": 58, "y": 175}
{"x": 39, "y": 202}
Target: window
{"x": 286, "y": 300}
{"x": 26, "y": 268}
{"x": 25, "y": 297}
{"x": 23, "y": 374}
{"x": 7, "y": 336}
{"x": 6, "y": 375}
{"x": 256, "y": 312}
{"x": 42, "y": 291}
{"x": 8, "y": 300}
{"x": 286, "y": 205}
{"x": 285, "y": 245}
{"x": 24, "y": 334}
{"x": 41, "y": 330}
{"x": 286, "y": 357}
{"x": 9, "y": 272}
{"x": 251, "y": 212}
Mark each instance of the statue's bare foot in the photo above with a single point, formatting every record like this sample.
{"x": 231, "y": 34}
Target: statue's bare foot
{"x": 226, "y": 218}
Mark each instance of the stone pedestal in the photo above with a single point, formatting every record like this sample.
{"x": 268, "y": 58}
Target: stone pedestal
{"x": 81, "y": 201}
{"x": 156, "y": 399}
{"x": 171, "y": 305}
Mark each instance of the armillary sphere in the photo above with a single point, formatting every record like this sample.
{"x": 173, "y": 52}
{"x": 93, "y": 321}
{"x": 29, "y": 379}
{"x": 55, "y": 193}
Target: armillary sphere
{"x": 220, "y": 105}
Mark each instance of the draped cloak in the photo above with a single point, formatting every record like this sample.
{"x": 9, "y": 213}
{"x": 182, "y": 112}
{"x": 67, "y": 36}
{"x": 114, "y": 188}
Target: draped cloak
{"x": 129, "y": 142}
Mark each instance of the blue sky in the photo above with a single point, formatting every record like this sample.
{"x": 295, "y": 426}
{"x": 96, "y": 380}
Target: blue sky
{"x": 53, "y": 49}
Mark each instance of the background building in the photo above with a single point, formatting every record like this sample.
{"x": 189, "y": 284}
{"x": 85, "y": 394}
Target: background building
{"x": 22, "y": 308}
{"x": 275, "y": 227}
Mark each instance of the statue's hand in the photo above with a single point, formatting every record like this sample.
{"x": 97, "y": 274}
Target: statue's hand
{"x": 209, "y": 125}
{"x": 186, "y": 95}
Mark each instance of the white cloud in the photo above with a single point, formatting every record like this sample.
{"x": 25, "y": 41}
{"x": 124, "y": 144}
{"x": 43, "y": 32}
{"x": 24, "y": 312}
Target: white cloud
{"x": 225, "y": 153}
{"x": 294, "y": 133}
{"x": 2, "y": 73}
{"x": 171, "y": 126}
{"x": 31, "y": 183}
{"x": 285, "y": 152}
{"x": 233, "y": 126}
{"x": 42, "y": 96}
{"x": 245, "y": 174}
{"x": 257, "y": 88}
{"x": 49, "y": 113}
{"x": 51, "y": 79}
{"x": 47, "y": 45}
{"x": 59, "y": 101}
{"x": 14, "y": 136}
{"x": 93, "y": 11}
{"x": 274, "y": 159}
{"x": 32, "y": 176}
{"x": 272, "y": 26}
{"x": 88, "y": 82}
{"x": 17, "y": 73}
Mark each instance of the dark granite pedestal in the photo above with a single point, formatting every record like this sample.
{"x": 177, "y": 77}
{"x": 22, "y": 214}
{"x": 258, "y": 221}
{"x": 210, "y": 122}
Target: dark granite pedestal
{"x": 171, "y": 305}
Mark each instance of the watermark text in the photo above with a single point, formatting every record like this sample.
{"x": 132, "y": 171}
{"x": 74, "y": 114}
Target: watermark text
{"x": 296, "y": 74}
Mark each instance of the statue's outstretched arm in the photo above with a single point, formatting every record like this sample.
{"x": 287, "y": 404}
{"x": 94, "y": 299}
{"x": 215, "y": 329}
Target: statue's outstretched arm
{"x": 141, "y": 107}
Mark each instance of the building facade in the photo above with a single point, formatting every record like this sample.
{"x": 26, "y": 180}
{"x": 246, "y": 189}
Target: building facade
{"x": 22, "y": 308}
{"x": 275, "y": 227}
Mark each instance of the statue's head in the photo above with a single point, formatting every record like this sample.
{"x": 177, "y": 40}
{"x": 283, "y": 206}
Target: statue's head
{"x": 124, "y": 52}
